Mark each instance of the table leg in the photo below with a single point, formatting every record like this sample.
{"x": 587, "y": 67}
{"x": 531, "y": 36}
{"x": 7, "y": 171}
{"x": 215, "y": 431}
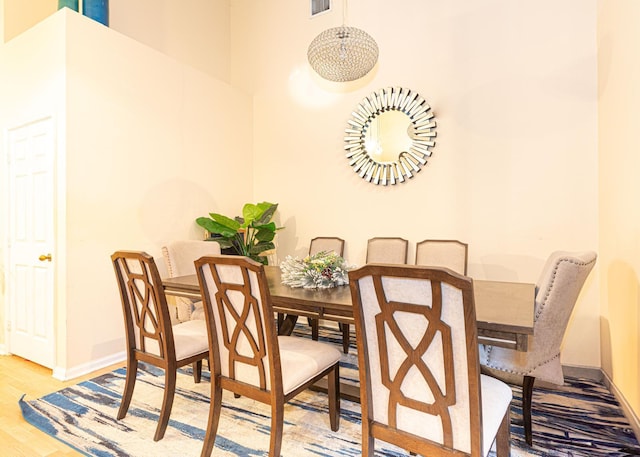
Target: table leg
{"x": 287, "y": 325}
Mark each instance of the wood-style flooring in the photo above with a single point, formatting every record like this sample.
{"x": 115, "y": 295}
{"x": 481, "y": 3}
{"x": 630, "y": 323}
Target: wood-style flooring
{"x": 18, "y": 438}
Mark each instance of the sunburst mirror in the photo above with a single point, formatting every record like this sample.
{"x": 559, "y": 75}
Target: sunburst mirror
{"x": 390, "y": 135}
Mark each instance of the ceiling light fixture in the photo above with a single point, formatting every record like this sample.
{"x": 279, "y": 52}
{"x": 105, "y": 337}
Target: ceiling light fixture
{"x": 343, "y": 53}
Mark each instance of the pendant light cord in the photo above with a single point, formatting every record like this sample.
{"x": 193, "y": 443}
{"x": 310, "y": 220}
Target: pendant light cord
{"x": 344, "y": 13}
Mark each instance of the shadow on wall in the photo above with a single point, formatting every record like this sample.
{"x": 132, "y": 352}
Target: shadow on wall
{"x": 503, "y": 267}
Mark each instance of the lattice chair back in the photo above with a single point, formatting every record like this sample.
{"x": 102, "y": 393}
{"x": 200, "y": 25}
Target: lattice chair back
{"x": 146, "y": 315}
{"x": 419, "y": 371}
{"x": 387, "y": 250}
{"x": 240, "y": 318}
{"x": 450, "y": 254}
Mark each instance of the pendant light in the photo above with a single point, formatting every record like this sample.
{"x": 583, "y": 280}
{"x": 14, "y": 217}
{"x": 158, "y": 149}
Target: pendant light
{"x": 343, "y": 53}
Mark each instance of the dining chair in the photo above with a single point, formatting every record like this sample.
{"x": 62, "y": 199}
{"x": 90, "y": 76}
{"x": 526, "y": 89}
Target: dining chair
{"x": 557, "y": 290}
{"x": 379, "y": 250}
{"x": 387, "y": 250}
{"x": 327, "y": 244}
{"x": 179, "y": 257}
{"x": 450, "y": 254}
{"x": 248, "y": 357}
{"x": 420, "y": 383}
{"x": 150, "y": 337}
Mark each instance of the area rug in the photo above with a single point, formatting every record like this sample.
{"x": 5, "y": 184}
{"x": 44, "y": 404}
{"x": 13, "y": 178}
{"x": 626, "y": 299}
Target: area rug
{"x": 581, "y": 420}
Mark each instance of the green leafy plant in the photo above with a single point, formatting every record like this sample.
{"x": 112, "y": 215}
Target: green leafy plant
{"x": 249, "y": 235}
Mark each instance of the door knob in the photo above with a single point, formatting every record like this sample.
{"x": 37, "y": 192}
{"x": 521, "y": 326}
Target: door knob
{"x": 43, "y": 257}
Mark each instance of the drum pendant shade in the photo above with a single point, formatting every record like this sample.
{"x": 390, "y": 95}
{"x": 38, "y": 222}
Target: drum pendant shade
{"x": 343, "y": 54}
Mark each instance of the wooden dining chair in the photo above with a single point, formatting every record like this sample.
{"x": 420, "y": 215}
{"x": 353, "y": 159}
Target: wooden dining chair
{"x": 379, "y": 250}
{"x": 179, "y": 258}
{"x": 557, "y": 290}
{"x": 420, "y": 382}
{"x": 450, "y": 254}
{"x": 387, "y": 250}
{"x": 150, "y": 337}
{"x": 248, "y": 356}
{"x": 327, "y": 244}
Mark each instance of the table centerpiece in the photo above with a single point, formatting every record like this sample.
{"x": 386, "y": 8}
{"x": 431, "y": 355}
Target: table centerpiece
{"x": 323, "y": 270}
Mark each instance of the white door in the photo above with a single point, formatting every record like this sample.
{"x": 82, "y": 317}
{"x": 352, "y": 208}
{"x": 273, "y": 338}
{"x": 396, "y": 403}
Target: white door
{"x": 30, "y": 153}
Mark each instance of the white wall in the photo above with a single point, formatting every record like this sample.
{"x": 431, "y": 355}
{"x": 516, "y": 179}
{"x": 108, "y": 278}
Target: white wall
{"x": 514, "y": 171}
{"x": 149, "y": 144}
{"x": 32, "y": 87}
{"x": 619, "y": 110}
{"x": 195, "y": 32}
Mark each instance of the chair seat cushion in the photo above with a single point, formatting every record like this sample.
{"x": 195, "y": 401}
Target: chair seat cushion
{"x": 302, "y": 359}
{"x": 190, "y": 338}
{"x": 496, "y": 398}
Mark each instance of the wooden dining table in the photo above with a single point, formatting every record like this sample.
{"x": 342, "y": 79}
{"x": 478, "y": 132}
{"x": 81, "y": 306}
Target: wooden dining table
{"x": 504, "y": 310}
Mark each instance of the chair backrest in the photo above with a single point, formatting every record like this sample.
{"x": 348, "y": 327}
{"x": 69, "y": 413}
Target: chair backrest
{"x": 387, "y": 250}
{"x": 557, "y": 290}
{"x": 144, "y": 305}
{"x": 242, "y": 331}
{"x": 450, "y": 254}
{"x": 179, "y": 256}
{"x": 418, "y": 357}
{"x": 326, "y": 243}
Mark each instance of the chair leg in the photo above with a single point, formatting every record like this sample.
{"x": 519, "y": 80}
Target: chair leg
{"x": 215, "y": 408}
{"x": 368, "y": 441}
{"x": 277, "y": 424}
{"x": 333, "y": 390}
{"x": 503, "y": 443}
{"x": 346, "y": 336}
{"x": 167, "y": 402}
{"x": 314, "y": 324}
{"x": 527, "y": 394}
{"x": 130, "y": 382}
{"x": 197, "y": 371}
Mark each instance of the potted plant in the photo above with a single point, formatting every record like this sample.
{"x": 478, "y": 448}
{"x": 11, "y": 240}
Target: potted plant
{"x": 250, "y": 235}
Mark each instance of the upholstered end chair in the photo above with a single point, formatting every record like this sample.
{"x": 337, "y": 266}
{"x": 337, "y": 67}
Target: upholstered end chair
{"x": 179, "y": 257}
{"x": 557, "y": 290}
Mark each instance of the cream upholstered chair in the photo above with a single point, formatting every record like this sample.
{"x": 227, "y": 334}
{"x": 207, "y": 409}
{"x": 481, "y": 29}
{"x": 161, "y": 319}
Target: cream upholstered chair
{"x": 420, "y": 382}
{"x": 150, "y": 337}
{"x": 179, "y": 257}
{"x": 450, "y": 254}
{"x": 327, "y": 244}
{"x": 557, "y": 290}
{"x": 380, "y": 250}
{"x": 387, "y": 250}
{"x": 248, "y": 356}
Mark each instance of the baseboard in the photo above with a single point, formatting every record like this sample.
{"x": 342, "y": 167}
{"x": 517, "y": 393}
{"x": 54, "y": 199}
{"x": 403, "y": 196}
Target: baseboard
{"x": 3, "y": 349}
{"x": 591, "y": 373}
{"x": 626, "y": 408}
{"x": 65, "y": 374}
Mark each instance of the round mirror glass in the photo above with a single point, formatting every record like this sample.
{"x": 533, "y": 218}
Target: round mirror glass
{"x": 390, "y": 136}
{"x": 387, "y": 136}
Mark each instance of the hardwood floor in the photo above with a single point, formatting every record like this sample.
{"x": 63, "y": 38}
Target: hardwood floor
{"x": 18, "y": 438}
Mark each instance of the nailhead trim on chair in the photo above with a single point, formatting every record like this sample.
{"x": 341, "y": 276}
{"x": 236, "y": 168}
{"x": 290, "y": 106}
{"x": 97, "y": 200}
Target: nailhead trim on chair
{"x": 490, "y": 348}
{"x": 551, "y": 283}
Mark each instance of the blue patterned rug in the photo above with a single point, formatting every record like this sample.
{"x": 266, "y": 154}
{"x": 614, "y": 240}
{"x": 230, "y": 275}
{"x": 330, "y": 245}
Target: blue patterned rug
{"x": 581, "y": 419}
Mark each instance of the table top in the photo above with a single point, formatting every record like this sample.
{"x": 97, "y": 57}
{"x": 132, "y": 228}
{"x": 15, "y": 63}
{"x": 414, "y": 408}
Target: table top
{"x": 500, "y": 306}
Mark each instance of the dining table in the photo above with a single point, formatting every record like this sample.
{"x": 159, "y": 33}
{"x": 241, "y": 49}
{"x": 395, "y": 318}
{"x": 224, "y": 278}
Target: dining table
{"x": 504, "y": 310}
